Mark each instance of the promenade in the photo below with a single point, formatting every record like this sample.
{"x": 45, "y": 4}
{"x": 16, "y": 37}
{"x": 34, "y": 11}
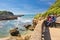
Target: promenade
{"x": 55, "y": 33}
{"x": 43, "y": 33}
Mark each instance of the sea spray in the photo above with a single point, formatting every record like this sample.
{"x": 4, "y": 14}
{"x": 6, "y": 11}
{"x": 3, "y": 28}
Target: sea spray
{"x": 20, "y": 22}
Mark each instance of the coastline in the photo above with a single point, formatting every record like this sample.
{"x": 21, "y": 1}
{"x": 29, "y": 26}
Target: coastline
{"x": 6, "y": 38}
{"x": 23, "y": 36}
{"x": 20, "y": 22}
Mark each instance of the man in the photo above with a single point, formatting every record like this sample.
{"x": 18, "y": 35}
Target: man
{"x": 54, "y": 20}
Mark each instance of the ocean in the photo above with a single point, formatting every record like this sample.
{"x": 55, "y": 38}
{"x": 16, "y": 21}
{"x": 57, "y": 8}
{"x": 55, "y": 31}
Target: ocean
{"x": 7, "y": 25}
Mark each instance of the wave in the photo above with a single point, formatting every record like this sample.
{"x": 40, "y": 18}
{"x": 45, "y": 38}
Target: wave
{"x": 24, "y": 20}
{"x": 5, "y": 26}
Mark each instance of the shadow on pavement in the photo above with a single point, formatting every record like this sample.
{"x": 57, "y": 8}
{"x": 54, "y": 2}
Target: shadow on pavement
{"x": 47, "y": 34}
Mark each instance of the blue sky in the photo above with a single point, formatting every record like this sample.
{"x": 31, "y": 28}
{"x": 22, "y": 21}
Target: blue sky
{"x": 25, "y": 6}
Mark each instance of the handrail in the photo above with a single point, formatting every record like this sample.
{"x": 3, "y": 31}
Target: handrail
{"x": 37, "y": 33}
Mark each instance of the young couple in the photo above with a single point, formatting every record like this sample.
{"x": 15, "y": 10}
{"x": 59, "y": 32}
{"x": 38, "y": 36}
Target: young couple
{"x": 51, "y": 21}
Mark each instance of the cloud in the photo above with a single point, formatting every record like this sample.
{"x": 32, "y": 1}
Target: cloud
{"x": 45, "y": 0}
{"x": 31, "y": 12}
{"x": 3, "y": 4}
{"x": 25, "y": 10}
{"x": 50, "y": 3}
{"x": 23, "y": 7}
{"x": 10, "y": 0}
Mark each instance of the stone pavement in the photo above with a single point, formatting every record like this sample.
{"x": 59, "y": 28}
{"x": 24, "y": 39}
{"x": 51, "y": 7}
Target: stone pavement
{"x": 55, "y": 33}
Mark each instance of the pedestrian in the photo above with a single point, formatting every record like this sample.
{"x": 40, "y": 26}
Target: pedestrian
{"x": 48, "y": 21}
{"x": 54, "y": 20}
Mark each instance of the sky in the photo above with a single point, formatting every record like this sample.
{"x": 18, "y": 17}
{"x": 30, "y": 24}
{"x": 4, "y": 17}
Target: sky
{"x": 25, "y": 6}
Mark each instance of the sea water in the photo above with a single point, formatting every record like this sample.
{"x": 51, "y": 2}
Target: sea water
{"x": 7, "y": 25}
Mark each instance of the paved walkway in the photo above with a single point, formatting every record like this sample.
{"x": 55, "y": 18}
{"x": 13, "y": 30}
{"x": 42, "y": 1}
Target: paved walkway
{"x": 55, "y": 33}
{"x": 48, "y": 34}
{"x": 37, "y": 33}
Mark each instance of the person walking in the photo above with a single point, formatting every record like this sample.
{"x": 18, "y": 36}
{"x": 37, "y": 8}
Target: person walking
{"x": 48, "y": 21}
{"x": 54, "y": 20}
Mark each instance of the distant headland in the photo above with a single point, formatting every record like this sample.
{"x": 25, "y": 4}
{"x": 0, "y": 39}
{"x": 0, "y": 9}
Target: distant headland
{"x": 7, "y": 15}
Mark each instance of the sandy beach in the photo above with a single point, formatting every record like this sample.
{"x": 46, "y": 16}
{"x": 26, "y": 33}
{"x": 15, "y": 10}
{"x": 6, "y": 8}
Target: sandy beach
{"x": 6, "y": 38}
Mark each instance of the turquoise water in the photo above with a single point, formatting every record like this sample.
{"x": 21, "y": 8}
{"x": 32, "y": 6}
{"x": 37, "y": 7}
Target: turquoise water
{"x": 5, "y": 26}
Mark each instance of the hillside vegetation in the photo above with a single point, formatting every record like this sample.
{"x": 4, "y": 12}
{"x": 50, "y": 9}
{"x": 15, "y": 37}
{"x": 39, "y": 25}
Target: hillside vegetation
{"x": 5, "y": 13}
{"x": 54, "y": 9}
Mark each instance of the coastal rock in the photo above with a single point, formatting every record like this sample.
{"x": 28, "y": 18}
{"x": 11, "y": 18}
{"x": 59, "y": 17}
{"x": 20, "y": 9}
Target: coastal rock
{"x": 31, "y": 28}
{"x": 27, "y": 26}
{"x": 35, "y": 21}
{"x": 7, "y": 15}
{"x": 15, "y": 38}
{"x": 22, "y": 37}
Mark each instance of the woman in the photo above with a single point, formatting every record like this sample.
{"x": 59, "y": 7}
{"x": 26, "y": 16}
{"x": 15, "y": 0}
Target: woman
{"x": 48, "y": 21}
